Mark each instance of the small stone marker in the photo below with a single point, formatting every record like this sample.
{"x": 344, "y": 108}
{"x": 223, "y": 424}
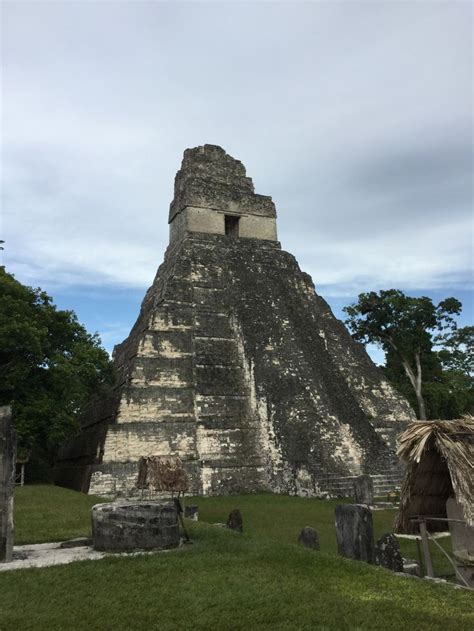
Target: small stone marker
{"x": 123, "y": 526}
{"x": 355, "y": 532}
{"x": 308, "y": 538}
{"x": 411, "y": 567}
{"x": 7, "y": 482}
{"x": 191, "y": 512}
{"x": 387, "y": 553}
{"x": 364, "y": 490}
{"x": 234, "y": 521}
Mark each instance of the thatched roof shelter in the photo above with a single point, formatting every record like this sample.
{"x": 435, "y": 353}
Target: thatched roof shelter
{"x": 440, "y": 463}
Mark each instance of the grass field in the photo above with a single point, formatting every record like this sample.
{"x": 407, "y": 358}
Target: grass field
{"x": 49, "y": 513}
{"x": 259, "y": 580}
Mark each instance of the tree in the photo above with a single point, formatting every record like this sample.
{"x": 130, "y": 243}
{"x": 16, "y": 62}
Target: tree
{"x": 456, "y": 357}
{"x": 404, "y": 327}
{"x": 457, "y": 350}
{"x": 50, "y": 366}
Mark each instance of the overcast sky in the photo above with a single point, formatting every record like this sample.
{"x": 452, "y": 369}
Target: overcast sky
{"x": 355, "y": 116}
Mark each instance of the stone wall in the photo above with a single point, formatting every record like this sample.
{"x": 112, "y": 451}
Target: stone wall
{"x": 210, "y": 178}
{"x": 206, "y": 220}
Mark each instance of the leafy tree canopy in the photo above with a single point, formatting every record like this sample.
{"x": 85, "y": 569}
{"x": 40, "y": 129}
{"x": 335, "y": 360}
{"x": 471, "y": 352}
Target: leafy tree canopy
{"x": 457, "y": 350}
{"x": 50, "y": 366}
{"x": 407, "y": 329}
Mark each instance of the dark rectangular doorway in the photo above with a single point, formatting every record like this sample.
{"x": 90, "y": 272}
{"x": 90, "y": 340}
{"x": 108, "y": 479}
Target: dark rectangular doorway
{"x": 232, "y": 225}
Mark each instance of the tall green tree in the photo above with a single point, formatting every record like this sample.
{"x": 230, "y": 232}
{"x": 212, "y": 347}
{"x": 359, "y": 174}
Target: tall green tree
{"x": 405, "y": 328}
{"x": 50, "y": 366}
{"x": 455, "y": 353}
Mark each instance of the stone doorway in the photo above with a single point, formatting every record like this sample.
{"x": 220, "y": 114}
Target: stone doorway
{"x": 231, "y": 225}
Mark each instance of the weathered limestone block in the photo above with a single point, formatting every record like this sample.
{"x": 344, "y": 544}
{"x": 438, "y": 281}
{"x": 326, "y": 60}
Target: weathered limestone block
{"x": 364, "y": 490}
{"x": 387, "y": 553}
{"x": 235, "y": 521}
{"x": 7, "y": 483}
{"x": 355, "y": 532}
{"x": 309, "y": 538}
{"x": 123, "y": 526}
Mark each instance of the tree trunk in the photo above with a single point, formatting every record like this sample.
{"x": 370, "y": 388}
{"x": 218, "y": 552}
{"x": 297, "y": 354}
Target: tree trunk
{"x": 419, "y": 396}
{"x": 416, "y": 383}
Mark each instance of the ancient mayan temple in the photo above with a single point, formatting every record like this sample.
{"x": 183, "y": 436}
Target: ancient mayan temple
{"x": 235, "y": 363}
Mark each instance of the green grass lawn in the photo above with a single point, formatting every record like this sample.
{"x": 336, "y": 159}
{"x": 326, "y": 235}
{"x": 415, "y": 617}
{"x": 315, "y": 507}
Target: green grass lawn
{"x": 258, "y": 580}
{"x": 280, "y": 518}
{"x": 50, "y": 513}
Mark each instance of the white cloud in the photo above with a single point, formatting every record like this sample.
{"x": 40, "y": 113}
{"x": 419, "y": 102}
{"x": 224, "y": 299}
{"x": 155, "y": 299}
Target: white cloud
{"x": 351, "y": 115}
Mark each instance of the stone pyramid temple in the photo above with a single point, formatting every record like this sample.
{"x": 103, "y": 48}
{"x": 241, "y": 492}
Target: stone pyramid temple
{"x": 235, "y": 363}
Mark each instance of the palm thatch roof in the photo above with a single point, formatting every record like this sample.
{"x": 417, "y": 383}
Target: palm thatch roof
{"x": 440, "y": 463}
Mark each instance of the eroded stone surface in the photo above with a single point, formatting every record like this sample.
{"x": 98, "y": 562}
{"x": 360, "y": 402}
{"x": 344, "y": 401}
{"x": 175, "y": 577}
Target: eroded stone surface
{"x": 309, "y": 538}
{"x": 387, "y": 553}
{"x": 235, "y": 364}
{"x": 364, "y": 490}
{"x": 355, "y": 532}
{"x": 123, "y": 526}
{"x": 7, "y": 483}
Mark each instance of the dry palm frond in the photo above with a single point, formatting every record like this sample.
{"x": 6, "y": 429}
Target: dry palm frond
{"x": 428, "y": 447}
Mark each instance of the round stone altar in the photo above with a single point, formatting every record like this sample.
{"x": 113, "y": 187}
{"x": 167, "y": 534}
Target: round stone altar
{"x": 124, "y": 526}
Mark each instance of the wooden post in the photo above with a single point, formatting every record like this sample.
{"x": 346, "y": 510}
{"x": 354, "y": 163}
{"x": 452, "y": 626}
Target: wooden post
{"x": 420, "y": 557}
{"x": 179, "y": 510}
{"x": 426, "y": 549}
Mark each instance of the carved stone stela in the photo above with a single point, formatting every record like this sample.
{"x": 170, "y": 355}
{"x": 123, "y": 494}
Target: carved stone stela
{"x": 7, "y": 482}
{"x": 235, "y": 364}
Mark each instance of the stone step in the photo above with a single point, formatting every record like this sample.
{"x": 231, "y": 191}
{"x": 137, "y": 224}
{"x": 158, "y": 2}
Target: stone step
{"x": 350, "y": 481}
{"x": 343, "y": 486}
{"x": 384, "y": 472}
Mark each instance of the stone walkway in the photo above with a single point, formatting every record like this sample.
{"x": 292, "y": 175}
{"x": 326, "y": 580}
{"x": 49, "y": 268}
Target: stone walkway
{"x": 46, "y": 554}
